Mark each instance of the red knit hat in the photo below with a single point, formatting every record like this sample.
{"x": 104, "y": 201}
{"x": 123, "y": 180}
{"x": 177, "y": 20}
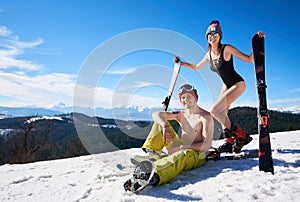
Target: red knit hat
{"x": 214, "y": 27}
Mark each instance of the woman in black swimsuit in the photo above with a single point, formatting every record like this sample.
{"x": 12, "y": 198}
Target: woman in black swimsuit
{"x": 220, "y": 57}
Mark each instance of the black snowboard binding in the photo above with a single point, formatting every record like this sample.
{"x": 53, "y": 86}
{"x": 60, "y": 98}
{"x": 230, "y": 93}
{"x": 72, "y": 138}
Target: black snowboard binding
{"x": 213, "y": 154}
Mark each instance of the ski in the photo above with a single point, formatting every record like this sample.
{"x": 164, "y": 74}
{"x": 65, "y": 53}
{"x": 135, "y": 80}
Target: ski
{"x": 213, "y": 155}
{"x": 265, "y": 153}
{"x": 172, "y": 85}
{"x": 142, "y": 175}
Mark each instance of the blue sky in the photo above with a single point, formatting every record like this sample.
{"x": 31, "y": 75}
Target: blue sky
{"x": 44, "y": 46}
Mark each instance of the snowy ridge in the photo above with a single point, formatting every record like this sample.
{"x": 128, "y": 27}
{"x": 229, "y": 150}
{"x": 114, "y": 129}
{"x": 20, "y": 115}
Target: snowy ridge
{"x": 292, "y": 110}
{"x": 100, "y": 178}
{"x": 34, "y": 119}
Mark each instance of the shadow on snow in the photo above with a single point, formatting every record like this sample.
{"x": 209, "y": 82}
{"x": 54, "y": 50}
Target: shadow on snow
{"x": 209, "y": 170}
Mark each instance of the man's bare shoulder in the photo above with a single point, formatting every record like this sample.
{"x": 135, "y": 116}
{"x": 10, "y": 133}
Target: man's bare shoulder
{"x": 205, "y": 114}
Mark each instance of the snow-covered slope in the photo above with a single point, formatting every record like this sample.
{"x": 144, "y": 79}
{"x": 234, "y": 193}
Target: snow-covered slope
{"x": 100, "y": 178}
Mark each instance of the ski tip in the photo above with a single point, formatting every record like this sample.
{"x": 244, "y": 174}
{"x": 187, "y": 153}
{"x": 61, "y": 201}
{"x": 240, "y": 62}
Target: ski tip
{"x": 257, "y": 37}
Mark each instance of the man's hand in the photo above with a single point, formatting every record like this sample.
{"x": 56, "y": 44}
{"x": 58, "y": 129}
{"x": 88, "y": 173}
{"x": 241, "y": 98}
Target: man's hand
{"x": 168, "y": 137}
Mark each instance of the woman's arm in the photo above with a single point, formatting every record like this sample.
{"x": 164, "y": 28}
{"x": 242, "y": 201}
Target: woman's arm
{"x": 198, "y": 66}
{"x": 231, "y": 50}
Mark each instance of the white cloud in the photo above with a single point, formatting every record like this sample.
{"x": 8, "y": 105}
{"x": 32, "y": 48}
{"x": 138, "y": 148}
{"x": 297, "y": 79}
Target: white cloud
{"x": 272, "y": 103}
{"x": 11, "y": 47}
{"x": 4, "y": 31}
{"x": 7, "y": 62}
{"x": 121, "y": 71}
{"x": 295, "y": 90}
{"x": 22, "y": 86}
{"x": 49, "y": 90}
{"x": 283, "y": 101}
{"x": 42, "y": 90}
{"x": 25, "y": 44}
{"x": 18, "y": 87}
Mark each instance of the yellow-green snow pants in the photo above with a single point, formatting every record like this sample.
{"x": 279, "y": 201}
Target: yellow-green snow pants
{"x": 169, "y": 167}
{"x": 155, "y": 140}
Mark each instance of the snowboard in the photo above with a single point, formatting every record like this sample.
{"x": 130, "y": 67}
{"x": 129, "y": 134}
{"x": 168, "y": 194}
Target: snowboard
{"x": 214, "y": 155}
{"x": 265, "y": 153}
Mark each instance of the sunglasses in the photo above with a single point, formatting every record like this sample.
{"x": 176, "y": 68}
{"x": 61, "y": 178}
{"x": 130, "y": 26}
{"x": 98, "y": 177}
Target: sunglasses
{"x": 186, "y": 87}
{"x": 215, "y": 35}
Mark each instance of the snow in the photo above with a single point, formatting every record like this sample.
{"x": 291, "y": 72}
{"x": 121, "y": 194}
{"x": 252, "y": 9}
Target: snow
{"x": 100, "y": 178}
{"x": 6, "y": 131}
{"x": 2, "y": 116}
{"x": 108, "y": 125}
{"x": 34, "y": 119}
{"x": 291, "y": 109}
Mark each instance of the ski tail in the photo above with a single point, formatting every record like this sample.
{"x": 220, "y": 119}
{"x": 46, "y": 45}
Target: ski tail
{"x": 265, "y": 152}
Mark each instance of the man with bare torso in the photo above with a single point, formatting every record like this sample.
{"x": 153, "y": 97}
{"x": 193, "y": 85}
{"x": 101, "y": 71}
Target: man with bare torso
{"x": 185, "y": 152}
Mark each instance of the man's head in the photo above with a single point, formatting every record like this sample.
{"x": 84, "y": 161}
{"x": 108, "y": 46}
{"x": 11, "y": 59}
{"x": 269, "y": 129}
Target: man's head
{"x": 187, "y": 88}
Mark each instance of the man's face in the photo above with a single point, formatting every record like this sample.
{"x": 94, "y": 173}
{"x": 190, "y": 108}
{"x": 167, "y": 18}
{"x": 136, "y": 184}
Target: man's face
{"x": 187, "y": 99}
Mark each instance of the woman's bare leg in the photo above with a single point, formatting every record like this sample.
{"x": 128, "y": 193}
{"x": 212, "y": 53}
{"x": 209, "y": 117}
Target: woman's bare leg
{"x": 220, "y": 109}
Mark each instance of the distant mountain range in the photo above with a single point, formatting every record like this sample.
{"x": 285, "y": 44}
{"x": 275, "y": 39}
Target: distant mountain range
{"x": 292, "y": 110}
{"x": 123, "y": 113}
{"x": 26, "y": 111}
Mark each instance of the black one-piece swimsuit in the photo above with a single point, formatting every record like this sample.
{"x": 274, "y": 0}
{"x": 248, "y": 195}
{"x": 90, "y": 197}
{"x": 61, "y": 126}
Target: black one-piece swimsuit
{"x": 225, "y": 69}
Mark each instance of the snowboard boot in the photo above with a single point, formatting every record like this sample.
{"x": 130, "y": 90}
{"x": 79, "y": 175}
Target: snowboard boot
{"x": 237, "y": 132}
{"x": 241, "y": 139}
{"x": 227, "y": 146}
{"x": 226, "y": 133}
{"x": 150, "y": 155}
{"x": 240, "y": 142}
{"x": 142, "y": 175}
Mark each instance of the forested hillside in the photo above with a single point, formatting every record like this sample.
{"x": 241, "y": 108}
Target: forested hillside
{"x": 28, "y": 139}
